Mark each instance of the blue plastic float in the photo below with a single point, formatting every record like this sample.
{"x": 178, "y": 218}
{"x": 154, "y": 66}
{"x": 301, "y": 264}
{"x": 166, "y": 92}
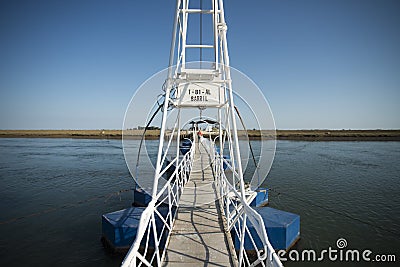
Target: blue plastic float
{"x": 140, "y": 197}
{"x": 283, "y": 229}
{"x": 261, "y": 198}
{"x": 120, "y": 228}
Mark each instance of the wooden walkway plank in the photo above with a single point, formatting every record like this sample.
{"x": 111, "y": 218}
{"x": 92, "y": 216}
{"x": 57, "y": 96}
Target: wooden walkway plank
{"x": 198, "y": 237}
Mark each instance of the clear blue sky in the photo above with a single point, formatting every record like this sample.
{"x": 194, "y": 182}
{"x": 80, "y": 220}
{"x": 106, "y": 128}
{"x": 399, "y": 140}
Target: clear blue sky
{"x": 320, "y": 63}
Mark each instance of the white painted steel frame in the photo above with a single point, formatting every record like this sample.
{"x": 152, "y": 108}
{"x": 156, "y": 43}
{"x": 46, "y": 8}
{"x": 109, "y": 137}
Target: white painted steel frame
{"x": 231, "y": 191}
{"x": 140, "y": 252}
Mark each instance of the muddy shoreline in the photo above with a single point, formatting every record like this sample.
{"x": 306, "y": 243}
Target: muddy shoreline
{"x": 300, "y": 135}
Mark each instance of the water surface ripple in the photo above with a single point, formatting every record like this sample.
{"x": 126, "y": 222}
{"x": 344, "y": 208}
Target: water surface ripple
{"x": 54, "y": 191}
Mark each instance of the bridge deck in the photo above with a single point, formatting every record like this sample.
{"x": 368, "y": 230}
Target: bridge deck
{"x": 198, "y": 237}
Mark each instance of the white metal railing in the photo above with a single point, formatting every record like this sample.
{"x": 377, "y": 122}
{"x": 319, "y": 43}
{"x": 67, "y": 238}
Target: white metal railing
{"x": 157, "y": 219}
{"x": 255, "y": 248}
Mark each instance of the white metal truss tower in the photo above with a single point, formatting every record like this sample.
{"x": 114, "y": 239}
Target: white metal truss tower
{"x": 204, "y": 84}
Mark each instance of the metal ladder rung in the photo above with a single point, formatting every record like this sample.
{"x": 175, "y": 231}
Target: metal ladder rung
{"x": 199, "y": 46}
{"x": 193, "y": 10}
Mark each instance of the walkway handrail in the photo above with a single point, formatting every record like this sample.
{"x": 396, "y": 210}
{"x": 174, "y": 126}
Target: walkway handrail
{"x": 157, "y": 219}
{"x": 240, "y": 214}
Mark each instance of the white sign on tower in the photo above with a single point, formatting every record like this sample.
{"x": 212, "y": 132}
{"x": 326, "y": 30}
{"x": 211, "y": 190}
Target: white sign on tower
{"x": 199, "y": 88}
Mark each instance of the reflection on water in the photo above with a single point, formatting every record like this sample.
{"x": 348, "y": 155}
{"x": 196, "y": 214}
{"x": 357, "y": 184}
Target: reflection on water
{"x": 54, "y": 191}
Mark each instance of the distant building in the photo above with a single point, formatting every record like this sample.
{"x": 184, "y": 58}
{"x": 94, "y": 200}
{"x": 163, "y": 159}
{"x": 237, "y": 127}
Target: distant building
{"x": 148, "y": 128}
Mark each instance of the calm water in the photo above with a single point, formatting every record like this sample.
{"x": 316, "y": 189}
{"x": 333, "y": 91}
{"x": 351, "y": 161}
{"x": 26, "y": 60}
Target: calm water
{"x": 54, "y": 191}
